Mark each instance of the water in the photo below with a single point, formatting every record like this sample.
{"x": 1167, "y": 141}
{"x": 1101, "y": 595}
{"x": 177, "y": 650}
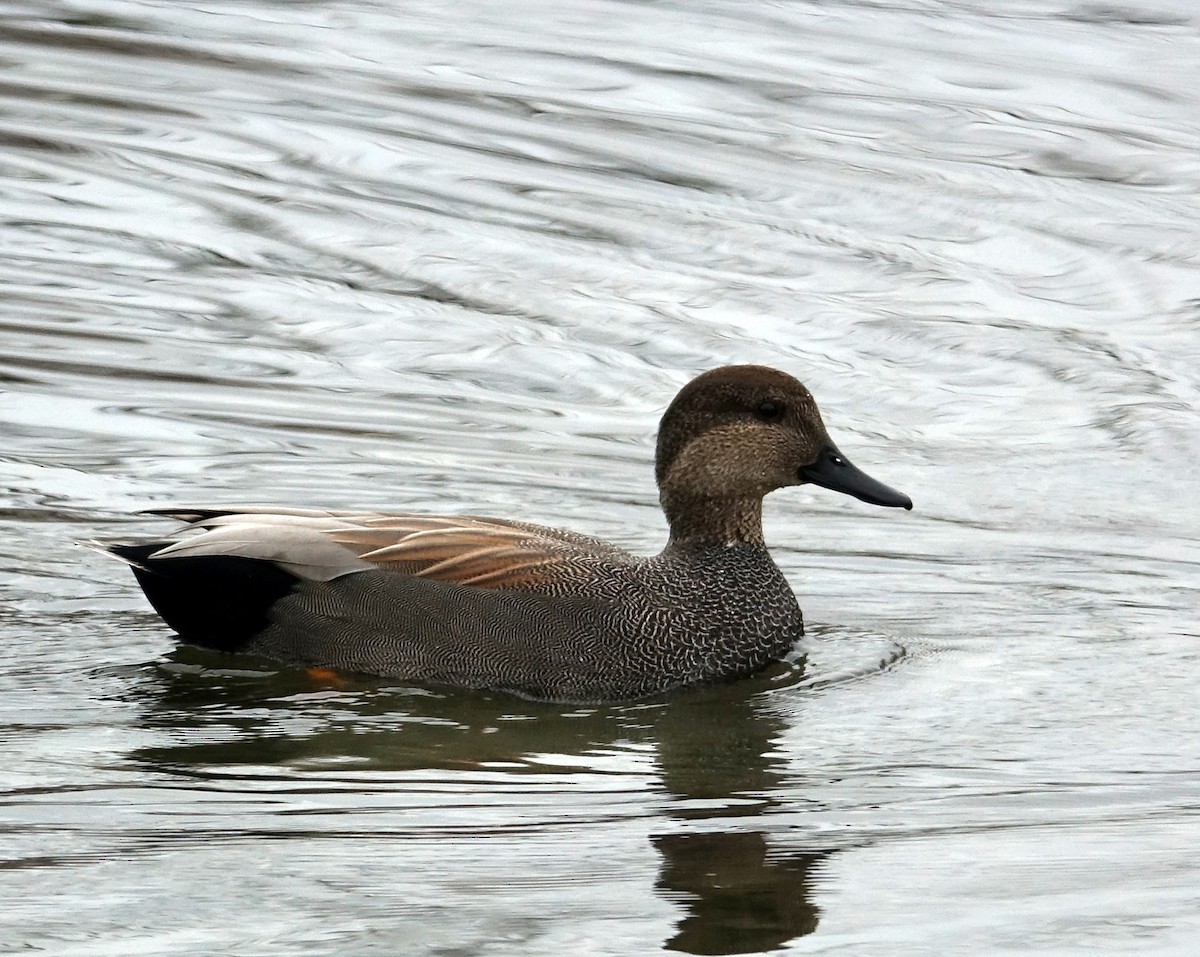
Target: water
{"x": 459, "y": 258}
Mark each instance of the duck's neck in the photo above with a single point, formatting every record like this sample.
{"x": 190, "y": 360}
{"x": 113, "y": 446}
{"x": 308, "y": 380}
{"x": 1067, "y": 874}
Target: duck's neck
{"x": 701, "y": 522}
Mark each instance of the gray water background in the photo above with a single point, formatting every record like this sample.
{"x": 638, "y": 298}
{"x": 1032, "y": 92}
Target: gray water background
{"x": 458, "y": 257}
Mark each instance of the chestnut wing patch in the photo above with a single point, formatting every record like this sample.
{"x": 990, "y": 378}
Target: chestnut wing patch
{"x": 483, "y": 552}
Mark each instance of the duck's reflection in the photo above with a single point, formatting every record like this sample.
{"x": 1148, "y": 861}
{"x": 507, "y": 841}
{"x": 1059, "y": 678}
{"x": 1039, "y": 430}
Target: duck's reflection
{"x": 740, "y": 887}
{"x": 742, "y": 894}
{"x": 739, "y": 899}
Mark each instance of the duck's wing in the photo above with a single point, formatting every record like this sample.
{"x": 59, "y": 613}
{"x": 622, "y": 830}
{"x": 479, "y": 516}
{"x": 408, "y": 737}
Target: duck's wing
{"x": 323, "y": 545}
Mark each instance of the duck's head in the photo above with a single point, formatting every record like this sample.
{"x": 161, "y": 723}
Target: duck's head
{"x": 736, "y": 433}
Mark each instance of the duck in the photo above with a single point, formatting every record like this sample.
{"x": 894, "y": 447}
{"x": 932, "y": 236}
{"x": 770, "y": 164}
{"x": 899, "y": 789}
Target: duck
{"x": 508, "y": 606}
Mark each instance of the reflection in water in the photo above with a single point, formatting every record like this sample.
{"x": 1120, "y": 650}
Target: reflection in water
{"x": 739, "y": 901}
{"x": 741, "y": 894}
{"x": 713, "y": 748}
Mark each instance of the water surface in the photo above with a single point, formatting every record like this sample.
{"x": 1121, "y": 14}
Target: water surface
{"x": 459, "y": 259}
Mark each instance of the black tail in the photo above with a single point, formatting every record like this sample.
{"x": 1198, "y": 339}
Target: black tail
{"x": 217, "y": 601}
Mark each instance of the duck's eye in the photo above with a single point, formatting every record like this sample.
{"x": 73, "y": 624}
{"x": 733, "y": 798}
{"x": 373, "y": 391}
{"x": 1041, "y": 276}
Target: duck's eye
{"x": 769, "y": 411}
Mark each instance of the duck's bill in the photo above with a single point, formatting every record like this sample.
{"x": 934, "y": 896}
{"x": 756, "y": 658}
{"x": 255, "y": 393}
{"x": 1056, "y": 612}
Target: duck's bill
{"x": 833, "y": 470}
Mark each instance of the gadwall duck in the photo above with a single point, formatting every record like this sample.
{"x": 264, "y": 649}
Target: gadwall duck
{"x": 545, "y": 613}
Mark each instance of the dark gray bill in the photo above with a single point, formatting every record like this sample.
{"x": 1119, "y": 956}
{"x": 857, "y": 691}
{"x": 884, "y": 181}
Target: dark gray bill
{"x": 833, "y": 470}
